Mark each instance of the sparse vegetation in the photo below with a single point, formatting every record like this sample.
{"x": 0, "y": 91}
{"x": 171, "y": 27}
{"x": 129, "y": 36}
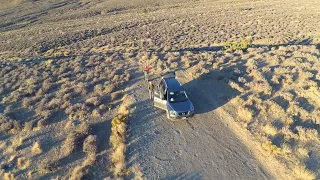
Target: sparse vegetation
{"x": 118, "y": 138}
{"x": 64, "y": 67}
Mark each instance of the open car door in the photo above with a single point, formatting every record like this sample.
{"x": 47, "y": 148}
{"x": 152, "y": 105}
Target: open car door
{"x": 158, "y": 101}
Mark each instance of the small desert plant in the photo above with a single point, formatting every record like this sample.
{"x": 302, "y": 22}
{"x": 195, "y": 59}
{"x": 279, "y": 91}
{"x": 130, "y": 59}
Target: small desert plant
{"x": 93, "y": 101}
{"x": 96, "y": 113}
{"x": 301, "y": 172}
{"x": 74, "y": 138}
{"x": 245, "y": 114}
{"x": 90, "y": 144}
{"x": 36, "y": 148}
{"x": 143, "y": 11}
{"x": 271, "y": 148}
{"x": 242, "y": 45}
{"x": 23, "y": 163}
{"x": 270, "y": 129}
{"x": 8, "y": 176}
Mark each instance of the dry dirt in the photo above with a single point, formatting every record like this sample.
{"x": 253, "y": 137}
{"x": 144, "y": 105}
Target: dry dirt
{"x": 64, "y": 63}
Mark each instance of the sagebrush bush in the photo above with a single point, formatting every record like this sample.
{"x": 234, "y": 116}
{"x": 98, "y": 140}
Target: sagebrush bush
{"x": 245, "y": 114}
{"x": 90, "y": 144}
{"x": 74, "y": 138}
{"x": 36, "y": 148}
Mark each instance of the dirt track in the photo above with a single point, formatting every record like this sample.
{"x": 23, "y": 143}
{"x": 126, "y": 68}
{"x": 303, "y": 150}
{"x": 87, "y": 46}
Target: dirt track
{"x": 202, "y": 147}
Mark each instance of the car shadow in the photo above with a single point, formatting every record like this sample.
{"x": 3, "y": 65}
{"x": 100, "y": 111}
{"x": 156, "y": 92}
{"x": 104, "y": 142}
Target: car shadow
{"x": 212, "y": 85}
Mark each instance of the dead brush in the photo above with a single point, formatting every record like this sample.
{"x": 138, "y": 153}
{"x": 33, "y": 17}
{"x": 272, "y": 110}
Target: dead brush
{"x": 271, "y": 148}
{"x": 74, "y": 138}
{"x": 90, "y": 145}
{"x": 245, "y": 114}
{"x": 36, "y": 148}
{"x": 270, "y": 129}
{"x": 81, "y": 171}
{"x": 301, "y": 172}
{"x": 93, "y": 101}
{"x": 306, "y": 135}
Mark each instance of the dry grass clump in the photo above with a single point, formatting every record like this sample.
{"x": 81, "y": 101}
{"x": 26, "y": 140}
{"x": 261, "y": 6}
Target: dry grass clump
{"x": 93, "y": 101}
{"x": 74, "y": 138}
{"x": 302, "y": 173}
{"x": 80, "y": 172}
{"x": 245, "y": 114}
{"x": 36, "y": 148}
{"x": 6, "y": 124}
{"x": 16, "y": 142}
{"x": 117, "y": 138}
{"x": 77, "y": 111}
{"x": 270, "y": 129}
{"x": 235, "y": 86}
{"x": 90, "y": 145}
{"x": 271, "y": 148}
{"x": 307, "y": 134}
{"x": 23, "y": 163}
{"x": 8, "y": 176}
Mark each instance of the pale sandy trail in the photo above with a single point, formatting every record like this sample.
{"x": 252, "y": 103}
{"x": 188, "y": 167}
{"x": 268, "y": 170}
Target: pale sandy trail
{"x": 200, "y": 148}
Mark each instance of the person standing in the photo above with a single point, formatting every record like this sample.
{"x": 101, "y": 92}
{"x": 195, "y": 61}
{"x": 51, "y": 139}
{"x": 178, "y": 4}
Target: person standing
{"x": 146, "y": 73}
{"x": 151, "y": 90}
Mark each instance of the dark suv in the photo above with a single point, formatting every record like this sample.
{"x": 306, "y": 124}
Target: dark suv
{"x": 170, "y": 96}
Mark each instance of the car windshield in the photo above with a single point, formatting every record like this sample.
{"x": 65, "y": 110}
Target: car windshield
{"x": 178, "y": 96}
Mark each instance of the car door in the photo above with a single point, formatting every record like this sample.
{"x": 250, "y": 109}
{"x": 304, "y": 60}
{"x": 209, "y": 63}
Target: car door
{"x": 159, "y": 100}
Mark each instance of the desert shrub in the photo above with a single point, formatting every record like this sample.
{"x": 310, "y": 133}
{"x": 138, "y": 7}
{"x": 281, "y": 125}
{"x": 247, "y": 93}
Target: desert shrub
{"x": 93, "y": 101}
{"x": 110, "y": 88}
{"x": 90, "y": 145}
{"x": 80, "y": 172}
{"x": 75, "y": 137}
{"x": 77, "y": 111}
{"x": 271, "y": 148}
{"x": 28, "y": 126}
{"x": 96, "y": 113}
{"x": 81, "y": 88}
{"x": 118, "y": 159}
{"x": 23, "y": 163}
{"x": 301, "y": 172}
{"x": 36, "y": 148}
{"x": 5, "y": 123}
{"x": 8, "y": 176}
{"x": 235, "y": 86}
{"x": 143, "y": 11}
{"x": 245, "y": 114}
{"x": 116, "y": 95}
{"x": 303, "y": 152}
{"x": 98, "y": 89}
{"x": 16, "y": 142}
{"x": 102, "y": 107}
{"x": 270, "y": 129}
{"x": 306, "y": 135}
{"x": 42, "y": 123}
{"x": 252, "y": 64}
{"x": 242, "y": 45}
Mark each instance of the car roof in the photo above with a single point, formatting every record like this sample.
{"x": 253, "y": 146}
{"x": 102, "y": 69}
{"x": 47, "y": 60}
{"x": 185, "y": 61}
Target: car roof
{"x": 173, "y": 85}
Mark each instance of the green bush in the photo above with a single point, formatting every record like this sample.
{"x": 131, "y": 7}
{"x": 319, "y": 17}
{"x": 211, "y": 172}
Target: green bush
{"x": 242, "y": 45}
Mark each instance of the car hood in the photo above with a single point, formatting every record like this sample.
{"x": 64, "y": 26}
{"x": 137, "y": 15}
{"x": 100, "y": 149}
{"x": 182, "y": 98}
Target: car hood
{"x": 181, "y": 106}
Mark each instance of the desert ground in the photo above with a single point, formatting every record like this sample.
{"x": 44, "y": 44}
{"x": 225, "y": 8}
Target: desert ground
{"x": 74, "y": 105}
